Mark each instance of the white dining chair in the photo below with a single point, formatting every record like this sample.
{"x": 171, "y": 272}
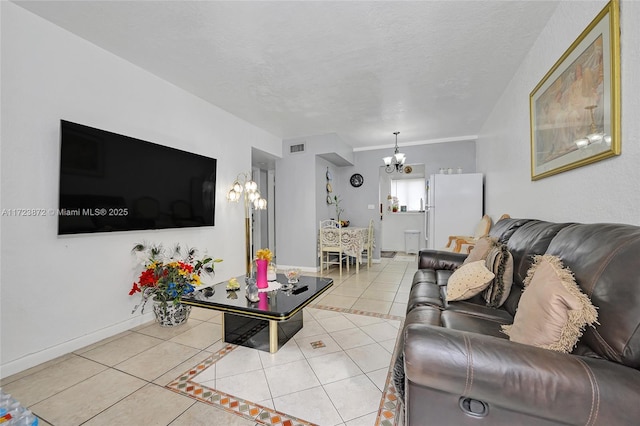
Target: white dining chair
{"x": 368, "y": 244}
{"x": 330, "y": 247}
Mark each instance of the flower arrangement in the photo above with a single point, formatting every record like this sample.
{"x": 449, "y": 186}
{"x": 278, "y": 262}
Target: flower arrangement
{"x": 264, "y": 254}
{"x": 168, "y": 277}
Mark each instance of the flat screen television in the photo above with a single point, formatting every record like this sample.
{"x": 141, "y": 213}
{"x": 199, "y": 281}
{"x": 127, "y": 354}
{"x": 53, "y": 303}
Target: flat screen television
{"x": 110, "y": 182}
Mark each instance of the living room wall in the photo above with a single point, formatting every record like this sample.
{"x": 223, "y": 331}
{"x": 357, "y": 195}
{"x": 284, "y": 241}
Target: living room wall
{"x": 601, "y": 192}
{"x": 59, "y": 294}
{"x": 301, "y": 196}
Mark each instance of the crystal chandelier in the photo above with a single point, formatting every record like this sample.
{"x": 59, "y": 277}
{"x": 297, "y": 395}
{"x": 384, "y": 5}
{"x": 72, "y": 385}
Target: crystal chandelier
{"x": 395, "y": 163}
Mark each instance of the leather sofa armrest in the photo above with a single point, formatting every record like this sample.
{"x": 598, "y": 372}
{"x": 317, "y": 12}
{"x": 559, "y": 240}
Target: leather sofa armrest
{"x": 560, "y": 387}
{"x": 440, "y": 259}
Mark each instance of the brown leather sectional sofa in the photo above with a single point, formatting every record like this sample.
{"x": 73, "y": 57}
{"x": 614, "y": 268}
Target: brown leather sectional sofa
{"x": 456, "y": 367}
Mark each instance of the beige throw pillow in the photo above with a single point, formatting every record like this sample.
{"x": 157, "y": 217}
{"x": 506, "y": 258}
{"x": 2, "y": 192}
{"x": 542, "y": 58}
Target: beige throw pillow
{"x": 480, "y": 249}
{"x": 468, "y": 280}
{"x": 552, "y": 312}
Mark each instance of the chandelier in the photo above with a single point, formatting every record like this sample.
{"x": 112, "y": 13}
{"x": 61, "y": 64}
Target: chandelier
{"x": 395, "y": 163}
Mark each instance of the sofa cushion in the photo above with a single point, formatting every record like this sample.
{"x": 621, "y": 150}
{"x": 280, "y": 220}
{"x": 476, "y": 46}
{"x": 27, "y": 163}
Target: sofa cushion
{"x": 424, "y": 276}
{"x": 473, "y": 324}
{"x": 440, "y": 259}
{"x": 468, "y": 280}
{"x": 530, "y": 239}
{"x": 503, "y": 229}
{"x": 500, "y": 262}
{"x": 552, "y": 312}
{"x": 480, "y": 310}
{"x": 425, "y": 294}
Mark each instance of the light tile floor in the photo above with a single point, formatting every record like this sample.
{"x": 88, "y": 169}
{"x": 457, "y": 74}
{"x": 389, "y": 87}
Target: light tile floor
{"x": 124, "y": 379}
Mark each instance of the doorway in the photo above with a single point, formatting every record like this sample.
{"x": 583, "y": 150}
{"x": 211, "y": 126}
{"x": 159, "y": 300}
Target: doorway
{"x": 263, "y": 171}
{"x": 402, "y": 200}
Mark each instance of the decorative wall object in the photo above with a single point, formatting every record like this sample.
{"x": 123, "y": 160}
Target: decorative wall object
{"x": 356, "y": 180}
{"x": 575, "y": 109}
{"x": 329, "y": 187}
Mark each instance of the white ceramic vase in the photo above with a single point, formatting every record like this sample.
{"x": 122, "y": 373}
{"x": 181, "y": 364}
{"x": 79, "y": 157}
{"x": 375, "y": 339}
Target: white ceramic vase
{"x": 172, "y": 315}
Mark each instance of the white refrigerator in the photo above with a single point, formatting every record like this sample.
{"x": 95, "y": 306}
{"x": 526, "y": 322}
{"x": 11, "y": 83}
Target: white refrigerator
{"x": 454, "y": 207}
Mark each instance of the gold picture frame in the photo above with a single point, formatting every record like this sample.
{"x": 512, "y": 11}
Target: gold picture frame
{"x": 575, "y": 109}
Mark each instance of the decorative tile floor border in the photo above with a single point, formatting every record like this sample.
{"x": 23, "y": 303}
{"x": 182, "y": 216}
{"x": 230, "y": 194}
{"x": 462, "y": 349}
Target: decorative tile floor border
{"x": 390, "y": 408}
{"x": 388, "y": 411}
{"x": 358, "y": 312}
{"x": 185, "y": 385}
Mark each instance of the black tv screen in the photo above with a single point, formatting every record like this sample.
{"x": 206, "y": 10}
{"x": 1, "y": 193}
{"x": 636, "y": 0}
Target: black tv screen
{"x": 110, "y": 182}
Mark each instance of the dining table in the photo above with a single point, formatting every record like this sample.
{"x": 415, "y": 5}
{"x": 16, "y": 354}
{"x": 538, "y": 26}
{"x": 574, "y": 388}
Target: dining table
{"x": 354, "y": 241}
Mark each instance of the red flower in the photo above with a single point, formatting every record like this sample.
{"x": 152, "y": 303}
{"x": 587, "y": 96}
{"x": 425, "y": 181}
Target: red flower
{"x": 186, "y": 267}
{"x": 147, "y": 278}
{"x": 134, "y": 289}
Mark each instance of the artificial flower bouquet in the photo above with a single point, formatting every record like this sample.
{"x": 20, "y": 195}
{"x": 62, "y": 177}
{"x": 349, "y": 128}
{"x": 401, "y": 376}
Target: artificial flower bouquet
{"x": 167, "y": 276}
{"x": 264, "y": 254}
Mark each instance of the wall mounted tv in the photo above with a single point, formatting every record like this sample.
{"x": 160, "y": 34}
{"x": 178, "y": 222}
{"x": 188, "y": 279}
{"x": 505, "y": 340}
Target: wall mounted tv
{"x": 111, "y": 182}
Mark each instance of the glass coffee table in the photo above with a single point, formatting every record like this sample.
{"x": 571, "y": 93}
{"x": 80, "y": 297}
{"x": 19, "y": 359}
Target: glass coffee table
{"x": 267, "y": 324}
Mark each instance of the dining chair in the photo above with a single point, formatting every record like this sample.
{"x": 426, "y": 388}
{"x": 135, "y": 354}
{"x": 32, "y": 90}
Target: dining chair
{"x": 466, "y": 248}
{"x": 330, "y": 245}
{"x": 368, "y": 244}
{"x": 457, "y": 241}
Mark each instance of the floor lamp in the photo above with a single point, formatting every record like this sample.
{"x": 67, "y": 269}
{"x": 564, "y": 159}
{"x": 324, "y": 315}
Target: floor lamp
{"x": 244, "y": 186}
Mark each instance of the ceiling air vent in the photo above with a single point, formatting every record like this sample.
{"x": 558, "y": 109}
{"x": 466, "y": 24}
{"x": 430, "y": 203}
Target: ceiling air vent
{"x": 296, "y": 149}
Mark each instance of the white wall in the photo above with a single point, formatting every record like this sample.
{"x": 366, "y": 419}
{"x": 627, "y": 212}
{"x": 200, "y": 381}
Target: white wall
{"x": 394, "y": 227}
{"x": 62, "y": 293}
{"x": 602, "y": 192}
{"x": 301, "y": 197}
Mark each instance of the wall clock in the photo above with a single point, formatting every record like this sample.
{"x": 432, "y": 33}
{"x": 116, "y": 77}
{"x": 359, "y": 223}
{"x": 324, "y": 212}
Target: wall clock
{"x": 356, "y": 180}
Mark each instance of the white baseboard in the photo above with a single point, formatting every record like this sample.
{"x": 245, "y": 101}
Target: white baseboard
{"x": 316, "y": 269}
{"x": 302, "y": 268}
{"x": 31, "y": 360}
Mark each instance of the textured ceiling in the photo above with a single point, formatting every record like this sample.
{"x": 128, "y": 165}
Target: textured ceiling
{"x": 432, "y": 69}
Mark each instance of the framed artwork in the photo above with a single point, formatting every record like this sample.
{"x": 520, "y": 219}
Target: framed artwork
{"x": 575, "y": 109}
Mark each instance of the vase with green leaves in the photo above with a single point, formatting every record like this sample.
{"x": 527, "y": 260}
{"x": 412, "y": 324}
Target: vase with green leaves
{"x": 339, "y": 210}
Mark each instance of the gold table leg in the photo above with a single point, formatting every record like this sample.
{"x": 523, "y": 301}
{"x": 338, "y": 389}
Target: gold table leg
{"x": 273, "y": 336}
{"x": 222, "y": 322}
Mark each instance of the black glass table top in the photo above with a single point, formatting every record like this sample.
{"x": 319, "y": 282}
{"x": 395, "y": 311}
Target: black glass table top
{"x": 275, "y": 305}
